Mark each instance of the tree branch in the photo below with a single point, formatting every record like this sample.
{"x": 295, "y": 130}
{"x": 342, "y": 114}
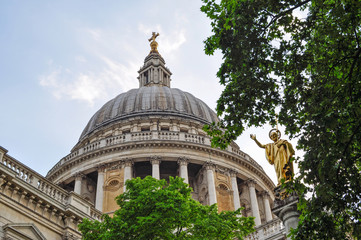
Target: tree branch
{"x": 349, "y": 142}
{"x": 287, "y": 11}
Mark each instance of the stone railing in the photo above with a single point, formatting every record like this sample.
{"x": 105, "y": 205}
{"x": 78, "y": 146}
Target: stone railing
{"x": 168, "y": 135}
{"x": 271, "y": 230}
{"x": 53, "y": 191}
{"x": 144, "y": 136}
{"x": 22, "y": 172}
{"x": 109, "y": 141}
{"x": 96, "y": 214}
{"x": 194, "y": 138}
{"x": 91, "y": 146}
{"x": 32, "y": 180}
{"x": 141, "y": 136}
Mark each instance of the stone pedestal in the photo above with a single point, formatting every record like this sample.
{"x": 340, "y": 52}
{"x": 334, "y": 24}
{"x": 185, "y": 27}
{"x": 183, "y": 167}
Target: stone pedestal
{"x": 285, "y": 207}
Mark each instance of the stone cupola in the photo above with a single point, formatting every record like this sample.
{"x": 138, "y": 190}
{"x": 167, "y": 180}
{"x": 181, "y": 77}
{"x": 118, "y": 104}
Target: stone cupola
{"x": 154, "y": 71}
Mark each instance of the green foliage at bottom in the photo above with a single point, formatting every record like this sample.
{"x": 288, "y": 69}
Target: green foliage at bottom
{"x": 157, "y": 209}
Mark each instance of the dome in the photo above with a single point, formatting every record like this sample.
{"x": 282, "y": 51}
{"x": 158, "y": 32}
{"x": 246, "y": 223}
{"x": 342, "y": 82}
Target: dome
{"x": 160, "y": 100}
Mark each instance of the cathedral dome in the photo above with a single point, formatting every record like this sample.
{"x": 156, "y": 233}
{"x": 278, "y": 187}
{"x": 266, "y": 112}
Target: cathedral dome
{"x": 150, "y": 100}
{"x": 157, "y": 130}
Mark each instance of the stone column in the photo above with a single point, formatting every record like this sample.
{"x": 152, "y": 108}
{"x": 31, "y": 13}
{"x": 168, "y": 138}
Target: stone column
{"x": 155, "y": 161}
{"x": 211, "y": 184}
{"x": 128, "y": 170}
{"x": 100, "y": 191}
{"x": 254, "y": 203}
{"x": 78, "y": 182}
{"x": 183, "y": 168}
{"x": 267, "y": 206}
{"x": 236, "y": 201}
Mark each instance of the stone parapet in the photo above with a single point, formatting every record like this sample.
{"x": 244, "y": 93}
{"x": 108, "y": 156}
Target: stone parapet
{"x": 272, "y": 230}
{"x": 141, "y": 137}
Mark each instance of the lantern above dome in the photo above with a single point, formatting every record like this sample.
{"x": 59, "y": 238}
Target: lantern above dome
{"x": 154, "y": 71}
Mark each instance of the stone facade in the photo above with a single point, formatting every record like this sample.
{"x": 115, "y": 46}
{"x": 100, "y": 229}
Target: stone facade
{"x": 34, "y": 208}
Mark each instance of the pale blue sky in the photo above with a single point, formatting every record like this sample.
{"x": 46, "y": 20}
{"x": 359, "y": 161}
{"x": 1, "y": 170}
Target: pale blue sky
{"x": 60, "y": 61}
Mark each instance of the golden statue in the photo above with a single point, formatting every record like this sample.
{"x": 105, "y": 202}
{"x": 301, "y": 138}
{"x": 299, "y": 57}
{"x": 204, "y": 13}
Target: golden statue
{"x": 153, "y": 44}
{"x": 278, "y": 154}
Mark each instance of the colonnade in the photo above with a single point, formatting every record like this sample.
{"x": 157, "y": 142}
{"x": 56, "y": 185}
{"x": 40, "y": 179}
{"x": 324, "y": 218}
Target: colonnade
{"x": 209, "y": 169}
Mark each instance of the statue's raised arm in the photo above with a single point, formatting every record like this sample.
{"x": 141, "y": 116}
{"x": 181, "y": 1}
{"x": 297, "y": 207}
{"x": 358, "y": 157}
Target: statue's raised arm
{"x": 253, "y": 136}
{"x": 279, "y": 154}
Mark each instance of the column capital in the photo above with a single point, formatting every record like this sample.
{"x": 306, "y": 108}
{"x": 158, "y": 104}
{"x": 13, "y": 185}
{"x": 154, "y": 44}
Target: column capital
{"x": 128, "y": 162}
{"x": 265, "y": 194}
{"x": 232, "y": 173}
{"x": 155, "y": 159}
{"x": 101, "y": 168}
{"x": 251, "y": 182}
{"x": 79, "y": 175}
{"x": 183, "y": 161}
{"x": 209, "y": 166}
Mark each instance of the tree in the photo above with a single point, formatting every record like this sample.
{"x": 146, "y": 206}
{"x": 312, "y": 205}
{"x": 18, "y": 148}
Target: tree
{"x": 306, "y": 71}
{"x": 156, "y": 209}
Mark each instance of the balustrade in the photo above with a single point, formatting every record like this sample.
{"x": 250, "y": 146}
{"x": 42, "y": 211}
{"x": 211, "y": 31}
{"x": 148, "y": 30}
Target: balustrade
{"x": 91, "y": 147}
{"x": 268, "y": 229}
{"x": 194, "y": 138}
{"x": 109, "y": 141}
{"x": 22, "y": 172}
{"x": 143, "y": 136}
{"x": 167, "y": 135}
{"x": 96, "y": 214}
{"x": 36, "y": 180}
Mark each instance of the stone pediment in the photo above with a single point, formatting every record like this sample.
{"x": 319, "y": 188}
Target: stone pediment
{"x": 22, "y": 231}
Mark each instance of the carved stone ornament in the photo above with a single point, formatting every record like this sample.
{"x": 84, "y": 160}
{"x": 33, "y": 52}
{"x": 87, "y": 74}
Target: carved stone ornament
{"x": 224, "y": 171}
{"x": 117, "y": 165}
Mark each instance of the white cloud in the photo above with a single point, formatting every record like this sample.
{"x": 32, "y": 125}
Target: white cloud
{"x": 95, "y": 34}
{"x": 80, "y": 59}
{"x": 89, "y": 87}
{"x": 107, "y": 63}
